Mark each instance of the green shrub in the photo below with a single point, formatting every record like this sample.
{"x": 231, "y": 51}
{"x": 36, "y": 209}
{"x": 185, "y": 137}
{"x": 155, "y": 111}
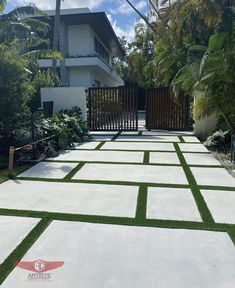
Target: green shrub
{"x": 67, "y": 127}
{"x": 219, "y": 140}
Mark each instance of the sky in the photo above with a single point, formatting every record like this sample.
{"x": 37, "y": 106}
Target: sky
{"x": 122, "y": 17}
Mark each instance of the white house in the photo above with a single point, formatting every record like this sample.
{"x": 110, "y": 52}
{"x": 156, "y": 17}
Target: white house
{"x": 88, "y": 44}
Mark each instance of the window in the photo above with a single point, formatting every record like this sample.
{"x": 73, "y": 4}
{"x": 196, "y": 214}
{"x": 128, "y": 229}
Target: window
{"x": 100, "y": 50}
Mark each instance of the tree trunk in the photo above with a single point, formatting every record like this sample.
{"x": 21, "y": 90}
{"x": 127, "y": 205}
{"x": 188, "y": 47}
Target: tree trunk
{"x": 56, "y": 35}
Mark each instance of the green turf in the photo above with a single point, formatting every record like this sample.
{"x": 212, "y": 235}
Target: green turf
{"x": 208, "y": 223}
{"x": 201, "y": 204}
{"x": 17, "y": 170}
{"x": 8, "y": 265}
{"x": 141, "y": 203}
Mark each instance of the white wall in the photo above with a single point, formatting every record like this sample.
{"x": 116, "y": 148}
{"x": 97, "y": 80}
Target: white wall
{"x": 80, "y": 77}
{"x": 80, "y": 40}
{"x": 204, "y": 126}
{"x": 104, "y": 78}
{"x": 65, "y": 98}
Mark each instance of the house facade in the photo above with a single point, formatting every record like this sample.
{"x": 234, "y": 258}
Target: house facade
{"x": 88, "y": 44}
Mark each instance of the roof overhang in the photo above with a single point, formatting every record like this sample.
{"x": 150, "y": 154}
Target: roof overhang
{"x": 100, "y": 24}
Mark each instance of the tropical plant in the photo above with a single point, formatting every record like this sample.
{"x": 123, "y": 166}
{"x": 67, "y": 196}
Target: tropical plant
{"x": 219, "y": 140}
{"x": 15, "y": 88}
{"x": 210, "y": 71}
{"x": 40, "y": 80}
{"x": 61, "y": 131}
{"x": 22, "y": 32}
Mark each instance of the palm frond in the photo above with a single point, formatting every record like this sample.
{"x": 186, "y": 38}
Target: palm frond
{"x": 43, "y": 54}
{"x": 217, "y": 41}
{"x": 23, "y": 11}
{"x": 3, "y": 4}
{"x": 37, "y": 25}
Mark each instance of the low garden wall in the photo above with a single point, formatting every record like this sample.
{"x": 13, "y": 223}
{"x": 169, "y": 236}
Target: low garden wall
{"x": 65, "y": 98}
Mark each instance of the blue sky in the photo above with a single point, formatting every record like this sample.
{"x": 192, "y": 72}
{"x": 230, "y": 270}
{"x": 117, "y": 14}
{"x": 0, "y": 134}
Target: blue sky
{"x": 120, "y": 14}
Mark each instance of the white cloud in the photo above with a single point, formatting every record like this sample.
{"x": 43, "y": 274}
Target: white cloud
{"x": 128, "y": 31}
{"x": 50, "y": 4}
{"x": 125, "y": 8}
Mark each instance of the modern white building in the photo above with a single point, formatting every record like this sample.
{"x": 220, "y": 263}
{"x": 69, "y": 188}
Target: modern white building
{"x": 88, "y": 44}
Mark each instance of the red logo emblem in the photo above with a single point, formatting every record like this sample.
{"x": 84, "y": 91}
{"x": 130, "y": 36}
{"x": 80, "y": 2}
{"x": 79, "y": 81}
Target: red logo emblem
{"x": 39, "y": 266}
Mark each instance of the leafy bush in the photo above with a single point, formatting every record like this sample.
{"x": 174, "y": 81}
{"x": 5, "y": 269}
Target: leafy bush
{"x": 67, "y": 127}
{"x": 220, "y": 140}
{"x": 15, "y": 88}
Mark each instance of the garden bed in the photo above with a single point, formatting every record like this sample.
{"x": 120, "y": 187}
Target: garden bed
{"x": 225, "y": 160}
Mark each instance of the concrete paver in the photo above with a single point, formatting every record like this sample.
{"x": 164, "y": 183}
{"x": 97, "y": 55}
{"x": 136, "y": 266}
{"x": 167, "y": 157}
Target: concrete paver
{"x": 71, "y": 198}
{"x": 49, "y": 170}
{"x": 172, "y": 204}
{"x": 132, "y": 173}
{"x": 101, "y": 156}
{"x": 138, "y": 146}
{"x": 13, "y": 230}
{"x": 98, "y": 255}
{"x": 221, "y": 204}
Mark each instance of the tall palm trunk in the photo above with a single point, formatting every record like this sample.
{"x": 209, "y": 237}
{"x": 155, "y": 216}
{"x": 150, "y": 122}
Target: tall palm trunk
{"x": 56, "y": 35}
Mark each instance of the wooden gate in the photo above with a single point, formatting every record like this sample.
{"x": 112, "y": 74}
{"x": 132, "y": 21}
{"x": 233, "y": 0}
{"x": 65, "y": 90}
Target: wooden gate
{"x": 163, "y": 113}
{"x": 113, "y": 109}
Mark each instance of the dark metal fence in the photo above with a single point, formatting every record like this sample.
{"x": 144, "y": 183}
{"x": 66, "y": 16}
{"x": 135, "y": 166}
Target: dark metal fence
{"x": 163, "y": 113}
{"x": 113, "y": 109}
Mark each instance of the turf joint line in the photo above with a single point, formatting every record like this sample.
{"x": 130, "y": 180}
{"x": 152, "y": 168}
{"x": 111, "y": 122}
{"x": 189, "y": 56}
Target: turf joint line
{"x": 141, "y": 203}
{"x": 9, "y": 264}
{"x": 74, "y": 171}
{"x": 201, "y": 204}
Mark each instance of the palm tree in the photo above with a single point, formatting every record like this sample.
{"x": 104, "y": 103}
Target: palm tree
{"x": 56, "y": 35}
{"x": 18, "y": 24}
{"x": 23, "y": 34}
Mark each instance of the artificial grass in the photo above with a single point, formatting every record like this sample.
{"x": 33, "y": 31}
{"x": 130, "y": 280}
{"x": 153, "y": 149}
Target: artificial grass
{"x": 141, "y": 203}
{"x": 74, "y": 171}
{"x": 100, "y": 145}
{"x": 17, "y": 170}
{"x": 201, "y": 204}
{"x": 181, "y": 139}
{"x": 8, "y": 265}
{"x": 146, "y": 158}
{"x": 139, "y": 220}
{"x": 116, "y": 136}
{"x": 208, "y": 223}
{"x": 231, "y": 234}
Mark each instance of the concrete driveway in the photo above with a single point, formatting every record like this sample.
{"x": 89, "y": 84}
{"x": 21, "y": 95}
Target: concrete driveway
{"x": 150, "y": 209}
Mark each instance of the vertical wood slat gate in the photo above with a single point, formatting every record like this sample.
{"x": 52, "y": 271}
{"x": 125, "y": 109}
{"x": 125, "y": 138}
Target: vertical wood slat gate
{"x": 113, "y": 109}
{"x": 163, "y": 113}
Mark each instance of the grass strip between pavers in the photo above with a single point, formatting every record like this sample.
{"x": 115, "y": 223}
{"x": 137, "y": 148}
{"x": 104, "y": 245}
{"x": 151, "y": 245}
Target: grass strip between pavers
{"x": 74, "y": 171}
{"x": 231, "y": 234}
{"x": 146, "y": 158}
{"x": 138, "y": 221}
{"x": 141, "y": 203}
{"x": 99, "y": 146}
{"x": 116, "y": 136}
{"x": 147, "y": 162}
{"x": 125, "y": 183}
{"x": 181, "y": 139}
{"x": 9, "y": 264}
{"x": 201, "y": 204}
